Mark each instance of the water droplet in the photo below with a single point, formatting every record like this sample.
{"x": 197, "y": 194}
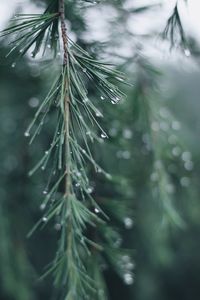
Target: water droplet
{"x": 90, "y": 190}
{"x": 32, "y": 54}
{"x": 188, "y": 165}
{"x": 187, "y": 52}
{"x": 155, "y": 126}
{"x": 126, "y": 154}
{"x": 45, "y": 192}
{"x": 26, "y": 134}
{"x": 13, "y": 65}
{"x": 128, "y": 278}
{"x": 113, "y": 131}
{"x": 164, "y": 126}
{"x": 172, "y": 139}
{"x": 164, "y": 113}
{"x": 185, "y": 181}
{"x": 154, "y": 176}
{"x": 99, "y": 114}
{"x": 128, "y": 223}
{"x": 103, "y": 135}
{"x": 130, "y": 266}
{"x": 42, "y": 206}
{"x": 77, "y": 184}
{"x": 44, "y": 219}
{"x": 49, "y": 46}
{"x": 97, "y": 211}
{"x": 170, "y": 188}
{"x": 102, "y": 98}
{"x": 57, "y": 226}
{"x": 158, "y": 164}
{"x": 43, "y": 168}
{"x": 176, "y": 151}
{"x": 46, "y": 152}
{"x": 186, "y": 155}
{"x": 176, "y": 125}
{"x": 127, "y": 133}
{"x": 84, "y": 70}
{"x": 33, "y": 102}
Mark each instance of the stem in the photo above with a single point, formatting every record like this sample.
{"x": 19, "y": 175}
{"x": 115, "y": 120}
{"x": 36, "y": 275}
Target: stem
{"x": 67, "y": 133}
{"x": 66, "y": 97}
{"x": 63, "y": 30}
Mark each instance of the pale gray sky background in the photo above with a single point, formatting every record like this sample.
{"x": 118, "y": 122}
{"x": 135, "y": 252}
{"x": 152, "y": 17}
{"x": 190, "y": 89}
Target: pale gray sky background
{"x": 141, "y": 24}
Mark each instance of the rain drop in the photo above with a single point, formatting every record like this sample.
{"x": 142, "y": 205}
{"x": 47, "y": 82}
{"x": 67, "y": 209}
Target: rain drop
{"x": 187, "y": 52}
{"x": 128, "y": 278}
{"x": 103, "y": 135}
{"x": 42, "y": 206}
{"x": 26, "y": 134}
{"x": 128, "y": 223}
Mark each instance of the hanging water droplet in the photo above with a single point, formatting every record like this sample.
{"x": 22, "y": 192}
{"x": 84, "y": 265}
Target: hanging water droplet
{"x": 130, "y": 266}
{"x": 43, "y": 168}
{"x": 33, "y": 102}
{"x": 102, "y": 98}
{"x": 128, "y": 223}
{"x": 32, "y": 54}
{"x": 85, "y": 100}
{"x": 77, "y": 184}
{"x": 127, "y": 133}
{"x": 128, "y": 278}
{"x": 154, "y": 176}
{"x": 103, "y": 135}
{"x": 42, "y": 206}
{"x": 13, "y": 65}
{"x": 57, "y": 226}
{"x": 126, "y": 154}
{"x": 155, "y": 126}
{"x": 187, "y": 52}
{"x": 186, "y": 155}
{"x": 84, "y": 70}
{"x": 90, "y": 190}
{"x": 99, "y": 114}
{"x": 170, "y": 188}
{"x": 176, "y": 125}
{"x": 176, "y": 151}
{"x": 164, "y": 126}
{"x": 45, "y": 192}
{"x": 188, "y": 165}
{"x": 172, "y": 139}
{"x": 44, "y": 219}
{"x": 26, "y": 134}
{"x": 185, "y": 181}
{"x": 49, "y": 46}
{"x": 58, "y": 54}
{"x": 97, "y": 211}
{"x": 46, "y": 152}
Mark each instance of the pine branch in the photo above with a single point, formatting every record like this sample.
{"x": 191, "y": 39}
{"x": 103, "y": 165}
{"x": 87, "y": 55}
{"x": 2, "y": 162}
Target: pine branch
{"x": 174, "y": 31}
{"x": 68, "y": 195}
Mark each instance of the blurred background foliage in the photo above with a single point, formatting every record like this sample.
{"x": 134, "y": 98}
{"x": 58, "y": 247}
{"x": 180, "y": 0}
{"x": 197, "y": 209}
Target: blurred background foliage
{"x": 152, "y": 153}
